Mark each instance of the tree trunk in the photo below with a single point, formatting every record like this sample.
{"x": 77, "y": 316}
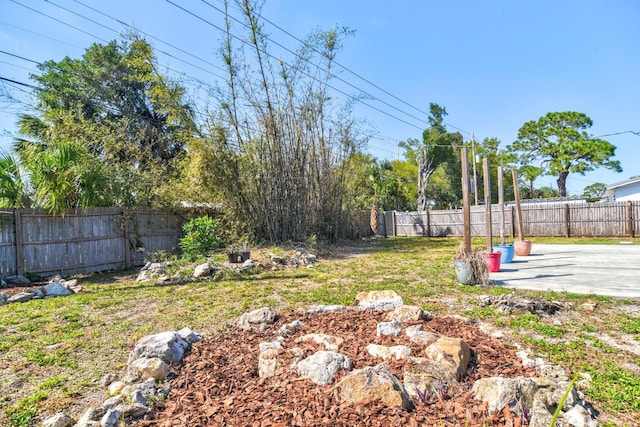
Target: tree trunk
{"x": 562, "y": 184}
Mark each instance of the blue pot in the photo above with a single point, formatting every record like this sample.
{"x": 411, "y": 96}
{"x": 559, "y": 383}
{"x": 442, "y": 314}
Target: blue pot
{"x": 506, "y": 253}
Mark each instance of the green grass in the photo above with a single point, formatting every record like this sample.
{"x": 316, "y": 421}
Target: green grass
{"x": 53, "y": 352}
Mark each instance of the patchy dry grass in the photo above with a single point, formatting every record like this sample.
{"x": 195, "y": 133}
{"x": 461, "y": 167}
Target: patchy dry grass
{"x": 53, "y": 352}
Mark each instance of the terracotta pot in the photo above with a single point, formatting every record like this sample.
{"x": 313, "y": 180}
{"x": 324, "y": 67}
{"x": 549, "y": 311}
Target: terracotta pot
{"x": 493, "y": 261}
{"x": 522, "y": 247}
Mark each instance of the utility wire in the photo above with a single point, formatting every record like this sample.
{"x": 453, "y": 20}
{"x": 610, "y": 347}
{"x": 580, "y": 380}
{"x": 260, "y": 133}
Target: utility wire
{"x": 305, "y": 73}
{"x": 60, "y": 21}
{"x": 349, "y": 70}
{"x": 324, "y": 70}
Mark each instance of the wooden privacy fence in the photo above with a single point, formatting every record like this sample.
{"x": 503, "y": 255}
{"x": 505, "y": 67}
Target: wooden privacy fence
{"x": 617, "y": 219}
{"x": 94, "y": 240}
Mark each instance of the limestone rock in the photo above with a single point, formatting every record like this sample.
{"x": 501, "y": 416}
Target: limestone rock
{"x": 425, "y": 377}
{"x": 329, "y": 342}
{"x": 322, "y": 366}
{"x": 4, "y": 298}
{"x": 499, "y": 392}
{"x": 21, "y": 297}
{"x": 325, "y": 309}
{"x": 260, "y": 319}
{"x": 111, "y": 418}
{"x": 189, "y": 336}
{"x": 202, "y": 270}
{"x": 452, "y": 354}
{"x": 55, "y": 290}
{"x": 116, "y": 387}
{"x": 58, "y": 420}
{"x": 578, "y": 416}
{"x": 149, "y": 367}
{"x": 167, "y": 346}
{"x": 379, "y": 300}
{"x": 270, "y": 345}
{"x": 406, "y": 313}
{"x": 90, "y": 415}
{"x": 374, "y": 384}
{"x": 418, "y": 335}
{"x": 388, "y": 328}
{"x": 267, "y": 363}
{"x": 397, "y": 351}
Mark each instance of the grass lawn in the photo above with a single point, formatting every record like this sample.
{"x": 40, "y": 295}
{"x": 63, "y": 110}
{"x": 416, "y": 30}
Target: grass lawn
{"x": 53, "y": 352}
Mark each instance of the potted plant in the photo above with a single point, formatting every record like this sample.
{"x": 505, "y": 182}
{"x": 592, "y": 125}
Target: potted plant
{"x": 471, "y": 266}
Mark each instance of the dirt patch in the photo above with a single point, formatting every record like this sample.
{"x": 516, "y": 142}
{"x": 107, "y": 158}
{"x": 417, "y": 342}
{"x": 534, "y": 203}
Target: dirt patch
{"x": 218, "y": 382}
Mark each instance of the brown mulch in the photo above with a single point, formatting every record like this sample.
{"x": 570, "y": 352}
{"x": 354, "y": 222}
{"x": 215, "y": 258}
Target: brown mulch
{"x": 218, "y": 385}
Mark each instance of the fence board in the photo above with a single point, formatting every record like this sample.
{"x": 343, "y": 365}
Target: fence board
{"x": 543, "y": 219}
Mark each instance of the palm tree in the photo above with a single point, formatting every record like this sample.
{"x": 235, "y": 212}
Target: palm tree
{"x": 12, "y": 188}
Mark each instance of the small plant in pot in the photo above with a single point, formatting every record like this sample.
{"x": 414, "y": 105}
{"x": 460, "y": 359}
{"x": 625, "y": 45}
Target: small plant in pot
{"x": 237, "y": 253}
{"x": 471, "y": 266}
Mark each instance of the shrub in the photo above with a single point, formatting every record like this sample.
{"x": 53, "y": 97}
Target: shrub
{"x": 200, "y": 237}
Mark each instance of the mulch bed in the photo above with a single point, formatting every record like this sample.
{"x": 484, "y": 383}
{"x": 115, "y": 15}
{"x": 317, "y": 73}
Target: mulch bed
{"x": 217, "y": 384}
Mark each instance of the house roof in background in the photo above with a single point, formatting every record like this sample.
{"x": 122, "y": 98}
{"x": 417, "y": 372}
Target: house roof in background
{"x": 623, "y": 183}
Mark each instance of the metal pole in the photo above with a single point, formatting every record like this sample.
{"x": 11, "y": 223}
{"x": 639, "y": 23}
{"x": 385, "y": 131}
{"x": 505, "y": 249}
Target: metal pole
{"x": 466, "y": 208}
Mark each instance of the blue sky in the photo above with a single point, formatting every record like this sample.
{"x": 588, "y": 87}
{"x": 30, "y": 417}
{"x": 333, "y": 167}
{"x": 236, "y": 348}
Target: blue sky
{"x": 493, "y": 64}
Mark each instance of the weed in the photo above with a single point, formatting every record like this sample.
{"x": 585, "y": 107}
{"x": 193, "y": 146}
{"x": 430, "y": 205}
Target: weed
{"x": 631, "y": 325}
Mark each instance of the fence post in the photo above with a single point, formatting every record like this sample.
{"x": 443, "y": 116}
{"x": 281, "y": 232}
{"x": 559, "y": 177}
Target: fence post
{"x": 127, "y": 238}
{"x": 17, "y": 224}
{"x": 630, "y": 219}
{"x": 393, "y": 223}
{"x": 566, "y": 221}
{"x": 428, "y": 223}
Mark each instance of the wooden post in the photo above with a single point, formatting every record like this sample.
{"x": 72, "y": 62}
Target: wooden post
{"x": 516, "y": 192}
{"x": 630, "y": 219}
{"x": 567, "y": 232}
{"x": 512, "y": 223}
{"x": 127, "y": 238}
{"x": 17, "y": 224}
{"x": 487, "y": 203}
{"x": 384, "y": 223}
{"x": 428, "y": 224}
{"x": 393, "y": 223}
{"x": 501, "y": 203}
{"x": 466, "y": 208}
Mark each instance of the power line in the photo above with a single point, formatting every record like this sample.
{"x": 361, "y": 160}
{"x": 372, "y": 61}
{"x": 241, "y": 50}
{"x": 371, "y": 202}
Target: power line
{"x": 307, "y": 74}
{"x": 58, "y": 20}
{"x": 326, "y": 71}
{"x": 353, "y": 72}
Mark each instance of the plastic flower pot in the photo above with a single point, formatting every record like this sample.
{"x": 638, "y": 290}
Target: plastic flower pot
{"x": 245, "y": 255}
{"x": 463, "y": 271}
{"x": 507, "y": 252}
{"x": 522, "y": 247}
{"x": 493, "y": 261}
{"x": 234, "y": 257}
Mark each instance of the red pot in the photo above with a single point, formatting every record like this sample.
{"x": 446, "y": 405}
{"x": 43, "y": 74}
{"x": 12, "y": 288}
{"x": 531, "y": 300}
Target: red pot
{"x": 493, "y": 261}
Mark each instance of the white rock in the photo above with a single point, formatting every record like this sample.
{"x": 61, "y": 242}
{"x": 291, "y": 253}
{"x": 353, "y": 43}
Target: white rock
{"x": 167, "y": 346}
{"x": 322, "y": 366}
{"x": 55, "y": 290}
{"x": 111, "y": 418}
{"x": 388, "y": 328}
{"x": 397, "y": 351}
{"x": 578, "y": 416}
{"x": 149, "y": 367}
{"x": 58, "y": 420}
{"x": 202, "y": 270}
{"x": 116, "y": 387}
{"x": 259, "y": 319}
{"x": 379, "y": 300}
{"x": 190, "y": 336}
{"x": 329, "y": 342}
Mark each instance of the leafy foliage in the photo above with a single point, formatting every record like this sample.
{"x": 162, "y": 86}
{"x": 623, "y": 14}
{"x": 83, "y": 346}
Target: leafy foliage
{"x": 560, "y": 143}
{"x": 108, "y": 111}
{"x": 200, "y": 237}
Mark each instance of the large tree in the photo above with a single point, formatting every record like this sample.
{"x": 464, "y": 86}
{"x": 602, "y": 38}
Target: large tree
{"x": 436, "y": 148}
{"x": 113, "y": 107}
{"x": 561, "y": 145}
